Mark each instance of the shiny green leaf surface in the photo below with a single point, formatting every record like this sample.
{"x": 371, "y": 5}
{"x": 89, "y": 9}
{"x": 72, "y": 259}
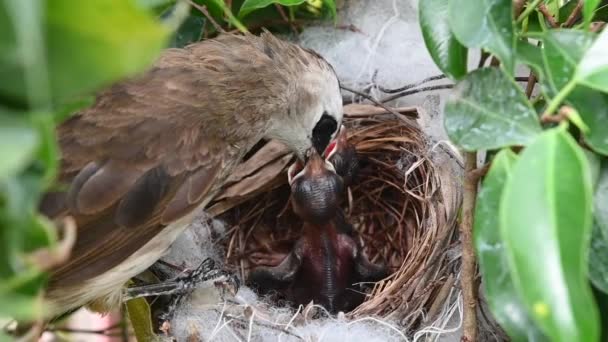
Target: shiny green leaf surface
{"x": 531, "y": 55}
{"x": 600, "y": 204}
{"x": 449, "y": 55}
{"x": 478, "y": 119}
{"x": 18, "y": 143}
{"x": 593, "y": 109}
{"x": 563, "y": 49}
{"x": 67, "y": 48}
{"x": 498, "y": 284}
{"x": 593, "y": 68}
{"x": 547, "y": 240}
{"x": 598, "y": 259}
{"x": 485, "y": 24}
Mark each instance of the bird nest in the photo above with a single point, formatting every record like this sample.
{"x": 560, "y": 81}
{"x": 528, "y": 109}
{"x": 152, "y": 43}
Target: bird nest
{"x": 401, "y": 206}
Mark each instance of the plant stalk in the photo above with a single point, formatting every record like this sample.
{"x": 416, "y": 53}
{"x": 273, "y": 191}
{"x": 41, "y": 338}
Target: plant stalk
{"x": 560, "y": 97}
{"x": 469, "y": 268}
{"x": 527, "y": 11}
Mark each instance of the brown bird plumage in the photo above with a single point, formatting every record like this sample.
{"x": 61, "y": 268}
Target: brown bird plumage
{"x": 155, "y": 148}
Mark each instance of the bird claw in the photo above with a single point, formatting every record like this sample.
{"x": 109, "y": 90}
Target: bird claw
{"x": 184, "y": 284}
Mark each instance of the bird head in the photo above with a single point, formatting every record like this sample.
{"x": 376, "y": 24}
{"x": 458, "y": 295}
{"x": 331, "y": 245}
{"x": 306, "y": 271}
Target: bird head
{"x": 314, "y": 111}
{"x": 316, "y": 189}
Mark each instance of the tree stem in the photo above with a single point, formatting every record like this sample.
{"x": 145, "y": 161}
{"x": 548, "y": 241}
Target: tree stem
{"x": 468, "y": 255}
{"x": 527, "y": 11}
{"x": 560, "y": 97}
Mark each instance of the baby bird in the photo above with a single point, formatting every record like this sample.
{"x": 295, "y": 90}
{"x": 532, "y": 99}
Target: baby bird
{"x": 343, "y": 156}
{"x": 327, "y": 261}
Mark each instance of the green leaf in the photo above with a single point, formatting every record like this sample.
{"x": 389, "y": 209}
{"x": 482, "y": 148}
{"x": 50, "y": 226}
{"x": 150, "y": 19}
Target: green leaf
{"x": 598, "y": 259}
{"x": 73, "y": 47}
{"x": 151, "y": 4}
{"x": 141, "y": 319}
{"x": 252, "y": 5}
{"x": 19, "y": 306}
{"x": 595, "y": 165}
{"x": 534, "y": 21}
{"x": 531, "y": 55}
{"x": 228, "y": 13}
{"x": 566, "y": 10}
{"x": 18, "y": 143}
{"x": 593, "y": 68}
{"x": 600, "y": 204}
{"x": 69, "y": 108}
{"x": 545, "y": 221}
{"x": 96, "y": 42}
{"x": 331, "y": 5}
{"x": 486, "y": 24}
{"x": 593, "y": 109}
{"x": 562, "y": 51}
{"x": 449, "y": 55}
{"x": 190, "y": 31}
{"x": 601, "y": 14}
{"x": 476, "y": 118}
{"x": 500, "y": 291}
{"x": 22, "y": 54}
{"x": 589, "y": 7}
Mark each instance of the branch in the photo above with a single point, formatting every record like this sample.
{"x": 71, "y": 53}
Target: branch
{"x": 545, "y": 11}
{"x": 415, "y": 91}
{"x": 476, "y": 174}
{"x": 531, "y": 84}
{"x": 528, "y": 10}
{"x": 410, "y": 86}
{"x": 482, "y": 59}
{"x": 378, "y": 103}
{"x": 203, "y": 10}
{"x": 286, "y": 18}
{"x": 563, "y": 114}
{"x": 468, "y": 255}
{"x": 518, "y": 6}
{"x": 597, "y": 26}
{"x": 423, "y": 89}
{"x": 574, "y": 15}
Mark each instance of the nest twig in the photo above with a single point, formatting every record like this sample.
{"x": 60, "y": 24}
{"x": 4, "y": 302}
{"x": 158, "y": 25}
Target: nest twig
{"x": 397, "y": 207}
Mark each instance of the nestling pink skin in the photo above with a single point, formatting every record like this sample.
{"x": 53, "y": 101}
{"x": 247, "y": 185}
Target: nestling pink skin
{"x": 327, "y": 261}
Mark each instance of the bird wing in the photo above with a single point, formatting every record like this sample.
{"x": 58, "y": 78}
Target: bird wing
{"x": 152, "y": 148}
{"x": 138, "y": 159}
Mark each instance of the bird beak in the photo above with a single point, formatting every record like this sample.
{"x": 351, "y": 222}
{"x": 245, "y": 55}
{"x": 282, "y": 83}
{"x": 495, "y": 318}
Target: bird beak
{"x": 316, "y": 165}
{"x": 295, "y": 171}
{"x": 339, "y": 141}
{"x": 313, "y": 164}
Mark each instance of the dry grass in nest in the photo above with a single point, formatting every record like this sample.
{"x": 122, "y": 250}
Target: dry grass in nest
{"x": 397, "y": 207}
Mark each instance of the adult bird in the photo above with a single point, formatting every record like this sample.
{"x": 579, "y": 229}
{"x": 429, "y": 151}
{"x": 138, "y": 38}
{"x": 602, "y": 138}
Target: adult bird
{"x": 153, "y": 150}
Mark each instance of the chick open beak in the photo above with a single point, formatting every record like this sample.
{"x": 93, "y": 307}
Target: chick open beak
{"x": 336, "y": 143}
{"x": 295, "y": 171}
{"x": 314, "y": 164}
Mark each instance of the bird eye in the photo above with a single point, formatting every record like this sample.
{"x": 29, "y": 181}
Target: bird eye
{"x": 321, "y": 134}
